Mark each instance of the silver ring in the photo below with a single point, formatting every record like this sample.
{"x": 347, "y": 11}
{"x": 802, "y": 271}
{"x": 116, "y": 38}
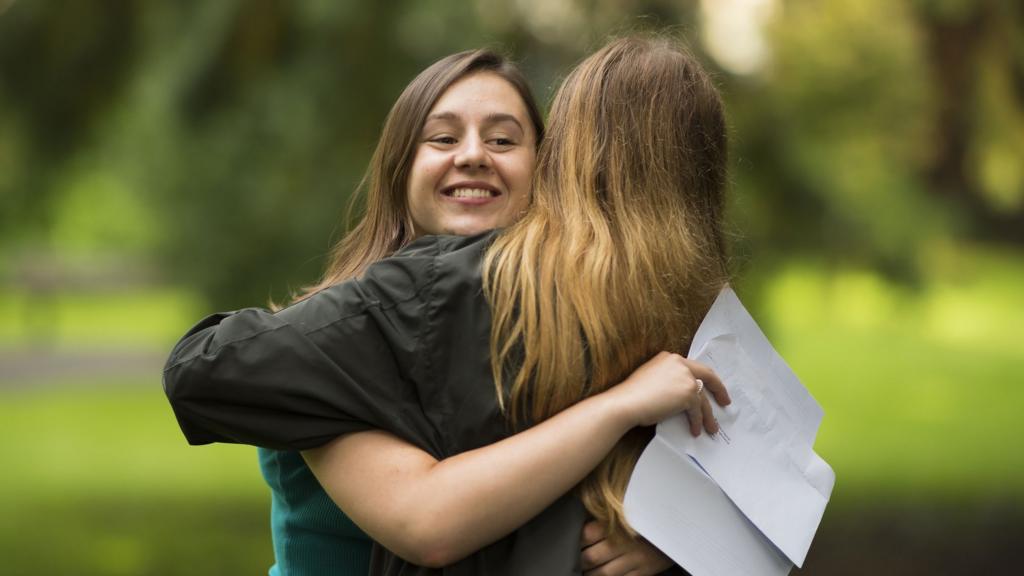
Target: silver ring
{"x": 700, "y": 386}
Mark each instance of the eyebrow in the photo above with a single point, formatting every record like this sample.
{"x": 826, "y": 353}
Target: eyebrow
{"x": 492, "y": 118}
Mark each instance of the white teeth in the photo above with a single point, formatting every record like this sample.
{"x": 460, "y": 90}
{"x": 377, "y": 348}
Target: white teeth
{"x": 471, "y": 193}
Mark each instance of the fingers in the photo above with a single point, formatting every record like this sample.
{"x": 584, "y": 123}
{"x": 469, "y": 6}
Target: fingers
{"x": 701, "y": 415}
{"x": 621, "y": 566}
{"x": 696, "y": 416}
{"x": 712, "y": 383}
{"x": 632, "y": 558}
{"x": 593, "y": 532}
{"x": 710, "y": 423}
{"x": 600, "y": 554}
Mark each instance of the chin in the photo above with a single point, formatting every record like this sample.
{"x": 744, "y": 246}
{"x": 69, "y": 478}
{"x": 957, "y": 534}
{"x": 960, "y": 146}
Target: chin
{"x": 470, "y": 229}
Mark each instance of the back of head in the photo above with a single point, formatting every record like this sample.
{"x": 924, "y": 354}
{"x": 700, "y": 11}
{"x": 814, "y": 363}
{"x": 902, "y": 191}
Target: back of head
{"x": 638, "y": 129}
{"x": 621, "y": 252}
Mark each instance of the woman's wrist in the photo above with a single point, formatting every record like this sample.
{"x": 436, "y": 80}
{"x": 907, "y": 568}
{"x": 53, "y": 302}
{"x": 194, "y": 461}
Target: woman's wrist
{"x": 615, "y": 409}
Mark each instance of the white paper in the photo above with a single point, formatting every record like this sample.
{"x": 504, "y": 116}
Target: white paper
{"x": 729, "y": 320}
{"x": 680, "y": 510}
{"x": 762, "y": 460}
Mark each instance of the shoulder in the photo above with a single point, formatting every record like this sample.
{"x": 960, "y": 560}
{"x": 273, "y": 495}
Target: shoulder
{"x": 464, "y": 252}
{"x": 459, "y": 266}
{"x": 442, "y": 246}
{"x": 427, "y": 261}
{"x": 406, "y": 278}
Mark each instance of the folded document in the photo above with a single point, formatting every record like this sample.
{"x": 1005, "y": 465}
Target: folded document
{"x": 747, "y": 500}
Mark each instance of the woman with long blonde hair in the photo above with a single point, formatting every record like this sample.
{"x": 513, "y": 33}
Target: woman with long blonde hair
{"x": 622, "y": 250}
{"x": 616, "y": 260}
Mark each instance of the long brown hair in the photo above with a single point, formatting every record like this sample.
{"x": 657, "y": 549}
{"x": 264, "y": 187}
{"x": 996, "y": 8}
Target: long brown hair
{"x": 386, "y": 226}
{"x": 621, "y": 252}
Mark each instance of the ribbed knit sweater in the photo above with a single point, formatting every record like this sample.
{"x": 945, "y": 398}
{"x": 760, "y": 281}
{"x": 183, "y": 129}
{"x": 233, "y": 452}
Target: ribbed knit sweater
{"x": 312, "y": 536}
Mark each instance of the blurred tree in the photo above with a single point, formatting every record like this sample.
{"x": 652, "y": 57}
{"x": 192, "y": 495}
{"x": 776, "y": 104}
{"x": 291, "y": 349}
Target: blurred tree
{"x": 220, "y": 141}
{"x": 877, "y": 129}
{"x": 60, "y": 72}
{"x": 975, "y": 54}
{"x": 837, "y": 134}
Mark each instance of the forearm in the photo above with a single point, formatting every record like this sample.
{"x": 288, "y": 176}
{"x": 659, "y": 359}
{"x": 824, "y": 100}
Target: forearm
{"x": 434, "y": 513}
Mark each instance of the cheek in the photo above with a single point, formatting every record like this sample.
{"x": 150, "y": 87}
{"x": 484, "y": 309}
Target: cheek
{"x": 423, "y": 179}
{"x": 431, "y": 169}
{"x": 520, "y": 166}
{"x": 523, "y": 174}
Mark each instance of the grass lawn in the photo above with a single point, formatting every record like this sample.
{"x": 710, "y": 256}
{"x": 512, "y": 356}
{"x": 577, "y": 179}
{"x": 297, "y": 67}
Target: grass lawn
{"x": 103, "y": 483}
{"x": 921, "y": 389}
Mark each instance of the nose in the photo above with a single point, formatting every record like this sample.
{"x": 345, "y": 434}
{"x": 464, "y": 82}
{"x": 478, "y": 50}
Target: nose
{"x": 472, "y": 154}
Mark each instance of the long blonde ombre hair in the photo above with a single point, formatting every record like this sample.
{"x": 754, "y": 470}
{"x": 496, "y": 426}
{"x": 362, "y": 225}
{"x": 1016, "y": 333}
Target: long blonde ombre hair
{"x": 621, "y": 252}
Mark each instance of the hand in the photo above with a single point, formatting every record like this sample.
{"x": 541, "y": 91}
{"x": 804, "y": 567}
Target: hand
{"x": 667, "y": 384}
{"x": 633, "y": 557}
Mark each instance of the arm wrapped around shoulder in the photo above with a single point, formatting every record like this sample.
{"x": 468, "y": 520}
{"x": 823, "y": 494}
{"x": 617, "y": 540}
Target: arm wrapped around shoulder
{"x": 296, "y": 380}
{"x": 248, "y": 377}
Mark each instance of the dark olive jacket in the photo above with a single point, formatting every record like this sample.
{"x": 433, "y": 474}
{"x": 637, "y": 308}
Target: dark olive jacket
{"x": 402, "y": 349}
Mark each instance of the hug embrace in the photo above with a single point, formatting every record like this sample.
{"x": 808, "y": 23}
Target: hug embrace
{"x": 468, "y": 387}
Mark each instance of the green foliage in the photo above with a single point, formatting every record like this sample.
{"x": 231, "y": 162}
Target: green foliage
{"x": 224, "y": 139}
{"x": 842, "y": 135}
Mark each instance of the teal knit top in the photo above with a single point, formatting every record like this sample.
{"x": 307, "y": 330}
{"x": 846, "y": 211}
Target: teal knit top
{"x": 312, "y": 536}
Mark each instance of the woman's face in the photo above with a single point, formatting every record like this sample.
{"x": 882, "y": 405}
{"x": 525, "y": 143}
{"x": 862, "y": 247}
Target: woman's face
{"x": 474, "y": 160}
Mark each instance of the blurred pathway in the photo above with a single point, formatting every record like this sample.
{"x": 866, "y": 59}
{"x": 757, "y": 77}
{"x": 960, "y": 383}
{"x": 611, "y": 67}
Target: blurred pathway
{"x": 26, "y": 367}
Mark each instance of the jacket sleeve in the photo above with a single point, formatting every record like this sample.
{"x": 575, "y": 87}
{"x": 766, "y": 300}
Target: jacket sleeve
{"x": 342, "y": 361}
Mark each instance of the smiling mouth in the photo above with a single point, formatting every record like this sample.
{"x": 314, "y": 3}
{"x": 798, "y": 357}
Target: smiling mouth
{"x": 471, "y": 193}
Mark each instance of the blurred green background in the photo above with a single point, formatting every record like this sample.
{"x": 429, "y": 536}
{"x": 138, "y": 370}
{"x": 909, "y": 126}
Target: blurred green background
{"x": 161, "y": 160}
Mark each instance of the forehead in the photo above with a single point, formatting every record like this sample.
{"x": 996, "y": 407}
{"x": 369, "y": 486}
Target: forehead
{"x": 479, "y": 95}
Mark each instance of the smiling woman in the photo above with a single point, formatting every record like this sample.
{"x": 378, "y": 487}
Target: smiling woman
{"x": 311, "y": 535}
{"x": 473, "y": 166}
{"x": 453, "y": 91}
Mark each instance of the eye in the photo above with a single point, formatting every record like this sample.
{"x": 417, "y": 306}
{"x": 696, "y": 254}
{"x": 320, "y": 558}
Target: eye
{"x": 442, "y": 140}
{"x": 503, "y": 142}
